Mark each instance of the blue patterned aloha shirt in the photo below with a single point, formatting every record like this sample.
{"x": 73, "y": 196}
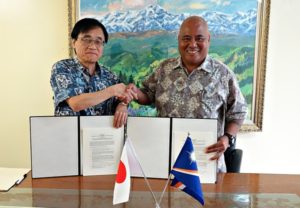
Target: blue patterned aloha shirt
{"x": 210, "y": 91}
{"x": 69, "y": 78}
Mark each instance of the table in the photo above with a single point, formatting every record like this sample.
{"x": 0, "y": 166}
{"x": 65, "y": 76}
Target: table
{"x": 231, "y": 190}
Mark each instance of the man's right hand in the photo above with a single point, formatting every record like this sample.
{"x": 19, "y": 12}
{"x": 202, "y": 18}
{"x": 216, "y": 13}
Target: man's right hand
{"x": 130, "y": 93}
{"x": 118, "y": 90}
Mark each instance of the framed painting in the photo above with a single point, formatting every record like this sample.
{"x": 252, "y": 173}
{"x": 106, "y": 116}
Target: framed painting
{"x": 143, "y": 33}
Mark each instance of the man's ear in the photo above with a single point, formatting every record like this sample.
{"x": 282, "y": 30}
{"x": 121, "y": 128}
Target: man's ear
{"x": 73, "y": 45}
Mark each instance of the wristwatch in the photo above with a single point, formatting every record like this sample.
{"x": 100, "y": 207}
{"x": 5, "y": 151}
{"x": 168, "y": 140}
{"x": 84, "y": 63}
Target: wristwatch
{"x": 231, "y": 139}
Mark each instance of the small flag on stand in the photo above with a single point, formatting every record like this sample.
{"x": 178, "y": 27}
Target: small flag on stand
{"x": 185, "y": 171}
{"x": 122, "y": 183}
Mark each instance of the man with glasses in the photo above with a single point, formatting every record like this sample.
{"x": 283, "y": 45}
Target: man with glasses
{"x": 195, "y": 85}
{"x": 83, "y": 87}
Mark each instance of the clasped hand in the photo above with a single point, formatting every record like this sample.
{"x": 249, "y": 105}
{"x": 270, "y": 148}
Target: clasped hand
{"x": 129, "y": 94}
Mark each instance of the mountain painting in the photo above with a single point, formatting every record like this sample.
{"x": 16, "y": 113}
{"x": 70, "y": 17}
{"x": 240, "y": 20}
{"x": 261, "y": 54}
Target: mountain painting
{"x": 143, "y": 33}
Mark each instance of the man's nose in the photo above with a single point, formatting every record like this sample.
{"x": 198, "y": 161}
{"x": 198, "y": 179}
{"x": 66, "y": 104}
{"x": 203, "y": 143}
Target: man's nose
{"x": 93, "y": 45}
{"x": 193, "y": 42}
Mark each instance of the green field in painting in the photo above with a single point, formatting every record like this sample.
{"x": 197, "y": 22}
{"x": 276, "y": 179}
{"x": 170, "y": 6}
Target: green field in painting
{"x": 134, "y": 56}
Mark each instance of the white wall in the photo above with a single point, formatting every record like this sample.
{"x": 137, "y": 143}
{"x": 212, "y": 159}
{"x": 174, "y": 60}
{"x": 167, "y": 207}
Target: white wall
{"x": 276, "y": 148}
{"x": 34, "y": 35}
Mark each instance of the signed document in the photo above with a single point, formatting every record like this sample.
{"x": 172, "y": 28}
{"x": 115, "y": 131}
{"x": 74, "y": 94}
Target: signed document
{"x": 203, "y": 133}
{"x": 101, "y": 149}
{"x": 201, "y": 140}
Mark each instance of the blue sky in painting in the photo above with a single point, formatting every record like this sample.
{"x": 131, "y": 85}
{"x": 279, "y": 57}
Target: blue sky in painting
{"x": 173, "y": 6}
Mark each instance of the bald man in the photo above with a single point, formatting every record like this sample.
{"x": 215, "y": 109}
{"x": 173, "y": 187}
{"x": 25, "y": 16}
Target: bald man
{"x": 194, "y": 85}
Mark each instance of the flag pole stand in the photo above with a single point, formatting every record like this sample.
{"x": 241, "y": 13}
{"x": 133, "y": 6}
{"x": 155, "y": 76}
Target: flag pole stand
{"x": 146, "y": 180}
{"x": 162, "y": 194}
{"x": 157, "y": 206}
{"x": 167, "y": 183}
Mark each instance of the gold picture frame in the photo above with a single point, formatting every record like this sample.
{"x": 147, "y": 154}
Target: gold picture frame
{"x": 255, "y": 123}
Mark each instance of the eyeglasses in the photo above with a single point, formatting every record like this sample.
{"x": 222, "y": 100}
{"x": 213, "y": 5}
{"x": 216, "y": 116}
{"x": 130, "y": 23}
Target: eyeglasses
{"x": 88, "y": 41}
{"x": 198, "y": 39}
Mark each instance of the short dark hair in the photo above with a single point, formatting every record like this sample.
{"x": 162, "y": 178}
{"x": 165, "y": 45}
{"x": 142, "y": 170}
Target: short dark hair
{"x": 85, "y": 25}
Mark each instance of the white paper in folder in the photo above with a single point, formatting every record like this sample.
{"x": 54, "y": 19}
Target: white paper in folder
{"x": 150, "y": 138}
{"x": 101, "y": 150}
{"x": 54, "y": 146}
{"x": 203, "y": 133}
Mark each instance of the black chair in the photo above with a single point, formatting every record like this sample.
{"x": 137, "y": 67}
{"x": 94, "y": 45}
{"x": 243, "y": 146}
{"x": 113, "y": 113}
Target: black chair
{"x": 233, "y": 159}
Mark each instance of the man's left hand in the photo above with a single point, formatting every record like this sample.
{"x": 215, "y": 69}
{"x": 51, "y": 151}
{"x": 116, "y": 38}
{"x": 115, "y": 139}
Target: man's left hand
{"x": 218, "y": 148}
{"x": 120, "y": 116}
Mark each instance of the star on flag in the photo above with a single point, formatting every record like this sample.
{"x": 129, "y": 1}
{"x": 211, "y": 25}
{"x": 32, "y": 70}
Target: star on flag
{"x": 185, "y": 171}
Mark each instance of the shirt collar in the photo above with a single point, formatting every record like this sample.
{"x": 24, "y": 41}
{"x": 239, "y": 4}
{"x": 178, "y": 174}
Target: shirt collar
{"x": 83, "y": 69}
{"x": 206, "y": 65}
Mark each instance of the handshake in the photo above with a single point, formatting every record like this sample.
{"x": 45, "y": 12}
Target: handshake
{"x": 126, "y": 93}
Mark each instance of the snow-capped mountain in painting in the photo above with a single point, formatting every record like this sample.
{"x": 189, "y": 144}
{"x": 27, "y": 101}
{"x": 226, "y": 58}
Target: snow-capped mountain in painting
{"x": 154, "y": 17}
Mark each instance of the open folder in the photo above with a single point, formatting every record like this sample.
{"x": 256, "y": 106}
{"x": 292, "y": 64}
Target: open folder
{"x": 11, "y": 176}
{"x": 89, "y": 145}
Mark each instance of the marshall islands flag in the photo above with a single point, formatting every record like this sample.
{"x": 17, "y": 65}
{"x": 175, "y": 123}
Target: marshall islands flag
{"x": 185, "y": 171}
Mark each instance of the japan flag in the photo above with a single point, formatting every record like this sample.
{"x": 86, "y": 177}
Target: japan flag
{"x": 122, "y": 184}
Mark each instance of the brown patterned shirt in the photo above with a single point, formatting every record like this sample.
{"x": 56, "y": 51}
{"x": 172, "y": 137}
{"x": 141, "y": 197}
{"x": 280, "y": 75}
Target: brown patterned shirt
{"x": 210, "y": 91}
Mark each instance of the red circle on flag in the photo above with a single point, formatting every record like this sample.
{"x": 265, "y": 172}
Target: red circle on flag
{"x": 121, "y": 176}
